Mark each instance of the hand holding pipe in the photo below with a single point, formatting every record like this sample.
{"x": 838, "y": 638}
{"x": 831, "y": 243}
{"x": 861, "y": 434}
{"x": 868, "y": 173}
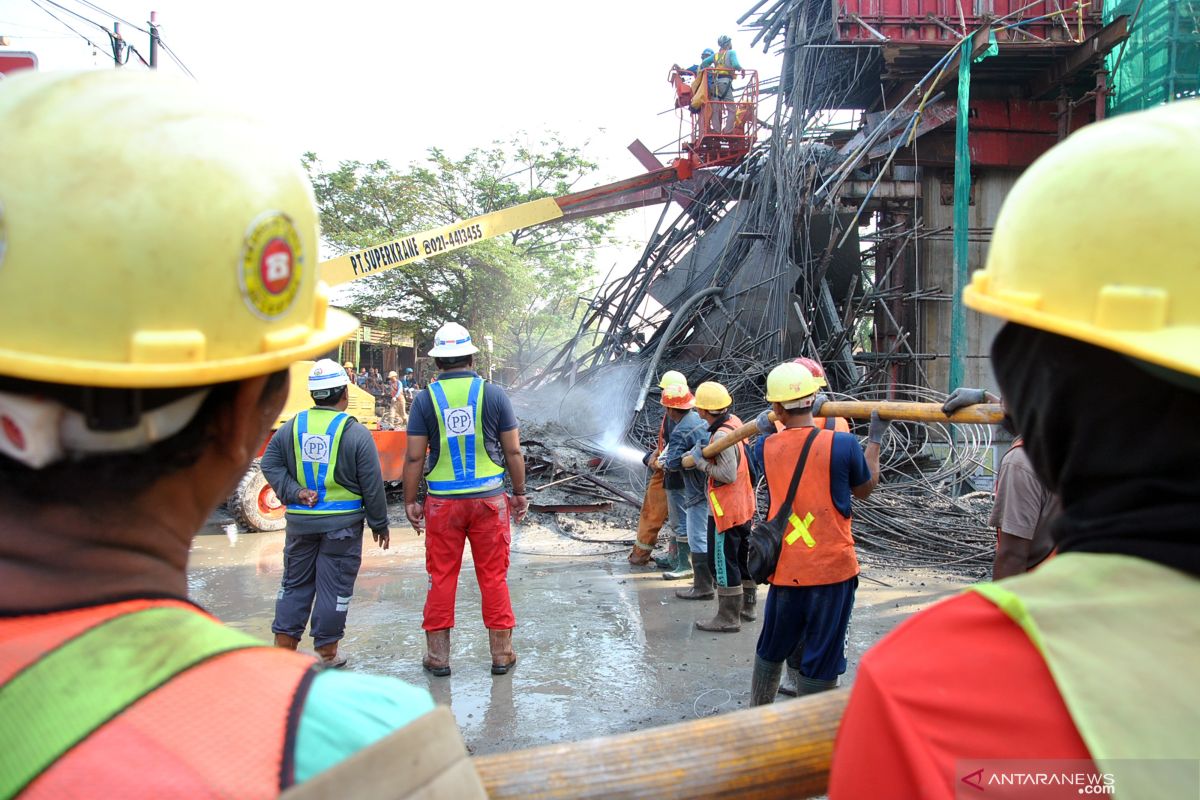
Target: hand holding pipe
{"x": 980, "y": 414}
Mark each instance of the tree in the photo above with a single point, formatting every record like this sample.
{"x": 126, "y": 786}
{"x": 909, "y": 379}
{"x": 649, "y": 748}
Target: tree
{"x": 520, "y": 288}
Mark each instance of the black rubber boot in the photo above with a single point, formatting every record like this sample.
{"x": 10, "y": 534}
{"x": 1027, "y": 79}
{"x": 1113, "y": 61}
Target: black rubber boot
{"x": 702, "y": 580}
{"x": 749, "y": 600}
{"x": 806, "y": 686}
{"x": 729, "y": 606}
{"x": 764, "y": 681}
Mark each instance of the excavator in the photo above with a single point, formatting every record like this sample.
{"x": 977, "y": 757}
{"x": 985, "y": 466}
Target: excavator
{"x": 254, "y": 504}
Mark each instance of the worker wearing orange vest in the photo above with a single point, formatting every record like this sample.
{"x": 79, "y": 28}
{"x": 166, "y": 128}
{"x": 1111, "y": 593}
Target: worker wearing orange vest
{"x": 731, "y": 508}
{"x": 655, "y": 509}
{"x": 1090, "y": 659}
{"x": 812, "y": 588}
{"x": 147, "y": 332}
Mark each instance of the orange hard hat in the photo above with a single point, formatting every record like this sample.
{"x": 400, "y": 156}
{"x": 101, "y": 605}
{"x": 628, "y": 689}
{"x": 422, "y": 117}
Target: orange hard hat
{"x": 678, "y": 396}
{"x": 813, "y": 366}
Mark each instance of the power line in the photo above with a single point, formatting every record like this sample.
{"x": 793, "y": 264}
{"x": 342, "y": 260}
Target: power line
{"x": 175, "y": 58}
{"x": 88, "y": 20}
{"x": 64, "y": 24}
{"x": 112, "y": 15}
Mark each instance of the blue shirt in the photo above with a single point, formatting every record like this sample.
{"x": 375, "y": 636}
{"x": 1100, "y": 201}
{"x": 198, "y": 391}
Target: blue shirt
{"x": 498, "y": 417}
{"x": 688, "y": 432}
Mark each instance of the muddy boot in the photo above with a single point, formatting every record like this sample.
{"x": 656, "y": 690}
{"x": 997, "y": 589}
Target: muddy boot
{"x": 503, "y": 657}
{"x": 437, "y": 655}
{"x": 806, "y": 686}
{"x": 702, "y": 580}
{"x": 639, "y": 556}
{"x": 729, "y": 606}
{"x": 286, "y": 642}
{"x": 749, "y": 601}
{"x": 672, "y": 555}
{"x": 681, "y": 569}
{"x": 329, "y": 656}
{"x": 764, "y": 681}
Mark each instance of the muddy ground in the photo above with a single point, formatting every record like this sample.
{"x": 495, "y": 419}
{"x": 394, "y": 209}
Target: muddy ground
{"x": 603, "y": 647}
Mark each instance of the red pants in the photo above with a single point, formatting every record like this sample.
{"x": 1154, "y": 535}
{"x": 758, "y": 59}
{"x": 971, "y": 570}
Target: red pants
{"x": 448, "y": 524}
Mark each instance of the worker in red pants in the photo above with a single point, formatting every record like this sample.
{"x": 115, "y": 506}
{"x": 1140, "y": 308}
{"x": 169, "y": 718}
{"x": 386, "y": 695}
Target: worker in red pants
{"x": 462, "y": 434}
{"x": 1081, "y": 672}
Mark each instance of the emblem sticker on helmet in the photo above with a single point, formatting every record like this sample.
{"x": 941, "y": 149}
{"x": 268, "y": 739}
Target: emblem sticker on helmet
{"x": 272, "y": 265}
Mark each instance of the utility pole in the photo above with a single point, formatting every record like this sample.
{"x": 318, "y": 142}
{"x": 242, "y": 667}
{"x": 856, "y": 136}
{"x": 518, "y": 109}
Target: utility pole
{"x": 118, "y": 44}
{"x": 153, "y": 40}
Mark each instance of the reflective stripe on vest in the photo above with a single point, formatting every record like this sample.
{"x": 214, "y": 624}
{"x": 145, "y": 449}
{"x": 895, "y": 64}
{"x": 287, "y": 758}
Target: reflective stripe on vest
{"x": 818, "y": 547}
{"x": 734, "y": 503}
{"x": 463, "y": 464}
{"x": 1119, "y": 636}
{"x": 95, "y": 690}
{"x": 316, "y": 438}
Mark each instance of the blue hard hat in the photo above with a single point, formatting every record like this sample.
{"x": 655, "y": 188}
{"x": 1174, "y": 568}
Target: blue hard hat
{"x": 407, "y": 370}
{"x": 707, "y": 52}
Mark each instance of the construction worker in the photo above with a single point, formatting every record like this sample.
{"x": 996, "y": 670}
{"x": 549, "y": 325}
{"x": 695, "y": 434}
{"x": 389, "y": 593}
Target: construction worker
{"x": 755, "y": 449}
{"x": 1024, "y": 510}
{"x": 724, "y": 63}
{"x": 323, "y": 465}
{"x": 1089, "y": 659}
{"x": 146, "y": 337}
{"x": 689, "y": 510}
{"x": 470, "y": 431}
{"x": 655, "y": 509}
{"x": 731, "y": 509}
{"x": 812, "y": 589}
{"x": 397, "y": 410}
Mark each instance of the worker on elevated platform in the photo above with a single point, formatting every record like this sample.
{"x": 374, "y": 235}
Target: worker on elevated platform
{"x": 1090, "y": 659}
{"x": 724, "y": 64}
{"x": 812, "y": 590}
{"x": 146, "y": 335}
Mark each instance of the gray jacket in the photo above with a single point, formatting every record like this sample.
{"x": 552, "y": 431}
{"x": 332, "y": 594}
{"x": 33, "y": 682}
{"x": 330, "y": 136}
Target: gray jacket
{"x": 357, "y": 469}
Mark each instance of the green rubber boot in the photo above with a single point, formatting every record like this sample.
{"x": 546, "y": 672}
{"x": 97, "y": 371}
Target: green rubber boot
{"x": 683, "y": 561}
{"x": 671, "y": 560}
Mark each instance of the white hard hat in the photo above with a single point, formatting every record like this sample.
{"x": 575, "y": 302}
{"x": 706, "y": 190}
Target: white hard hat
{"x": 393, "y": 374}
{"x": 326, "y": 374}
{"x": 452, "y": 340}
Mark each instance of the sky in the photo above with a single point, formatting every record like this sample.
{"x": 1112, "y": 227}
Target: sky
{"x": 387, "y": 80}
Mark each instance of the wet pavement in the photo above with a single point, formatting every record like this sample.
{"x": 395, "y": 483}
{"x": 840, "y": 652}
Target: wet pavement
{"x": 603, "y": 648}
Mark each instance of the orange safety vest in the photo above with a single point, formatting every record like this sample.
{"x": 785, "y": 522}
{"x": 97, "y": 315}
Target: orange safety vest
{"x": 836, "y": 424}
{"x": 818, "y": 547}
{"x": 733, "y": 504}
{"x": 145, "y": 699}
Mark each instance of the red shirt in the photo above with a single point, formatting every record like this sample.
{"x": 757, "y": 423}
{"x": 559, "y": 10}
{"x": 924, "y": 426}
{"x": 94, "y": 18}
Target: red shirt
{"x": 958, "y": 681}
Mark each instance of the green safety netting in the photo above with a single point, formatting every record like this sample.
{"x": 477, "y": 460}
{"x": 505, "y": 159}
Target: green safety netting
{"x": 1161, "y": 60}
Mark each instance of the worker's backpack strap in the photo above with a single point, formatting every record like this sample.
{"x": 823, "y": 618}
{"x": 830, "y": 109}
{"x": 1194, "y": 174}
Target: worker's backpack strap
{"x": 73, "y": 690}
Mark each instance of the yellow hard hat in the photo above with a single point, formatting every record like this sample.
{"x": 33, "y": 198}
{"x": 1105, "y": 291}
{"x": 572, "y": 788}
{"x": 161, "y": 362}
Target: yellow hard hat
{"x": 1098, "y": 240}
{"x": 790, "y": 381}
{"x": 678, "y": 396}
{"x": 712, "y": 396}
{"x": 672, "y": 378}
{"x": 179, "y": 250}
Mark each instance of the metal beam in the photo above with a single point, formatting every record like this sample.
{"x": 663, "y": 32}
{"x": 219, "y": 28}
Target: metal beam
{"x": 1096, "y": 46}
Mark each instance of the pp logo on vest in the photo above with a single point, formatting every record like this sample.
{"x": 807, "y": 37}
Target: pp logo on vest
{"x": 315, "y": 447}
{"x": 272, "y": 265}
{"x": 460, "y": 421}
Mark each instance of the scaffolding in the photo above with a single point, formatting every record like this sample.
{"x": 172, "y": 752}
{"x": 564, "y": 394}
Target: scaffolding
{"x": 1160, "y": 63}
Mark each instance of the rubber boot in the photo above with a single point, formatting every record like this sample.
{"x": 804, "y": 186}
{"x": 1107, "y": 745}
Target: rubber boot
{"x": 702, "y": 580}
{"x": 729, "y": 606}
{"x": 503, "y": 657}
{"x": 749, "y": 601}
{"x": 672, "y": 555}
{"x": 764, "y": 681}
{"x": 329, "y": 656}
{"x": 682, "y": 568}
{"x": 788, "y": 687}
{"x": 286, "y": 642}
{"x": 806, "y": 686}
{"x": 437, "y": 655}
